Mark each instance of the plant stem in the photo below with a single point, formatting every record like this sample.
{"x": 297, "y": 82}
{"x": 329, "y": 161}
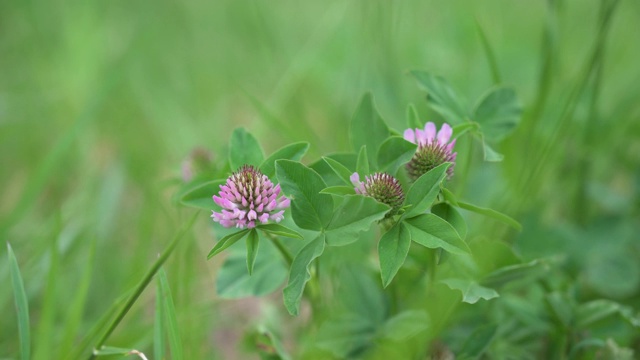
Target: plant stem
{"x": 286, "y": 254}
{"x": 144, "y": 282}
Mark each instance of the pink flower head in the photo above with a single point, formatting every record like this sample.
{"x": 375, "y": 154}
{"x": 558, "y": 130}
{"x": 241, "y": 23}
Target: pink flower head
{"x": 382, "y": 187}
{"x": 434, "y": 148}
{"x": 247, "y": 198}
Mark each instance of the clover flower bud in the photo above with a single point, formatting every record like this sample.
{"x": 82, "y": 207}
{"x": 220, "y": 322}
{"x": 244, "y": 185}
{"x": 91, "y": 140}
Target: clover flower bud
{"x": 434, "y": 148}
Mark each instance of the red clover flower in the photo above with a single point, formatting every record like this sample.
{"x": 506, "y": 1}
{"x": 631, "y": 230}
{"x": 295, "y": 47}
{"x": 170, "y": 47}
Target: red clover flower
{"x": 249, "y": 196}
{"x": 433, "y": 149}
{"x": 382, "y": 187}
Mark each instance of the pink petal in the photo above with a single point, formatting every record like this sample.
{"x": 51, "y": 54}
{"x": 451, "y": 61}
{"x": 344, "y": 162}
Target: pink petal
{"x": 284, "y": 203}
{"x": 430, "y": 131}
{"x": 355, "y": 179}
{"x": 252, "y": 215}
{"x": 410, "y": 135}
{"x": 421, "y": 137}
{"x": 444, "y": 134}
{"x": 251, "y": 224}
{"x": 264, "y": 218}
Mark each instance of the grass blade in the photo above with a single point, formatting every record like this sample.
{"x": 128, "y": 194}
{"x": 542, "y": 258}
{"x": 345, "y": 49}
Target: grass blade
{"x": 170, "y": 319}
{"x": 22, "y": 306}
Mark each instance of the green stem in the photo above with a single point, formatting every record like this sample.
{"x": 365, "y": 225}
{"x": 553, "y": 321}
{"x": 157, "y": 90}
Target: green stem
{"x": 286, "y": 254}
{"x": 144, "y": 282}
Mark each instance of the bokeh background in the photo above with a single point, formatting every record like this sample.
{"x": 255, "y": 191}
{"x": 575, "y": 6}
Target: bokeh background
{"x": 101, "y": 102}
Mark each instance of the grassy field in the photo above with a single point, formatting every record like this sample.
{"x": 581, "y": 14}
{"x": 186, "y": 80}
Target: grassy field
{"x": 101, "y": 102}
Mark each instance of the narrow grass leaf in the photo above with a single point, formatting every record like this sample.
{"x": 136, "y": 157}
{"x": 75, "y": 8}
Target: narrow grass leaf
{"x": 490, "y": 54}
{"x": 299, "y": 273}
{"x": 293, "y": 151}
{"x": 393, "y": 248}
{"x": 160, "y": 325}
{"x": 244, "y": 149}
{"x": 253, "y": 241}
{"x": 227, "y": 241}
{"x": 171, "y": 321}
{"x": 280, "y": 230}
{"x": 22, "y": 305}
{"x": 492, "y": 214}
{"x": 342, "y": 171}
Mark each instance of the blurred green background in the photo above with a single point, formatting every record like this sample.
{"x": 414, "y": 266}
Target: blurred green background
{"x": 101, "y": 102}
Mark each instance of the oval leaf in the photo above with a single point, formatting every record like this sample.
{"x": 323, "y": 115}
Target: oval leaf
{"x": 310, "y": 209}
{"x": 201, "y": 195}
{"x": 498, "y": 112}
{"x": 355, "y": 214}
{"x": 367, "y": 127}
{"x": 492, "y": 214}
{"x": 471, "y": 291}
{"x": 441, "y": 97}
{"x": 244, "y": 149}
{"x": 431, "y": 231}
{"x": 393, "y": 248}
{"x": 394, "y": 152}
{"x": 280, "y": 230}
{"x": 299, "y": 273}
{"x": 343, "y": 173}
{"x": 293, "y": 151}
{"x": 425, "y": 190}
{"x": 227, "y": 241}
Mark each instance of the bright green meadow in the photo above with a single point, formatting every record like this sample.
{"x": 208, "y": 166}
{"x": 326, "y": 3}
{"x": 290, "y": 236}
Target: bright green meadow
{"x": 119, "y": 118}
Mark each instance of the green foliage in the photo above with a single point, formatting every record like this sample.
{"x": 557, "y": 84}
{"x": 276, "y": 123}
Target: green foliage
{"x": 356, "y": 213}
{"x": 393, "y": 248}
{"x": 432, "y": 232}
{"x": 22, "y": 305}
{"x": 367, "y": 128}
{"x": 300, "y": 274}
{"x": 310, "y": 209}
{"x": 244, "y": 149}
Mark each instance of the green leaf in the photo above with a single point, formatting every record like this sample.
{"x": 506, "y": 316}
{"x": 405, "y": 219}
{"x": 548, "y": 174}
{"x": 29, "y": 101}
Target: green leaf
{"x": 362, "y": 166}
{"x": 299, "y": 274}
{"x": 471, "y": 290}
{"x": 348, "y": 160}
{"x": 425, "y": 190}
{"x": 227, "y": 241}
{"x": 339, "y": 169}
{"x": 478, "y": 342}
{"x": 339, "y": 190}
{"x": 393, "y": 248}
{"x": 171, "y": 320}
{"x": 269, "y": 346}
{"x": 492, "y": 214}
{"x": 498, "y": 112}
{"x": 452, "y": 216}
{"x": 310, "y": 209}
{"x": 591, "y": 312}
{"x": 504, "y": 275}
{"x": 280, "y": 230}
{"x": 160, "y": 324}
{"x": 432, "y": 232}
{"x": 491, "y": 155}
{"x": 394, "y": 152}
{"x": 461, "y": 129}
{"x": 442, "y": 98}
{"x": 252, "y": 249}
{"x": 367, "y": 127}
{"x": 413, "y": 119}
{"x": 244, "y": 149}
{"x": 450, "y": 197}
{"x": 269, "y": 272}
{"x": 406, "y": 325}
{"x": 110, "y": 350}
{"x": 22, "y": 305}
{"x": 560, "y": 307}
{"x": 201, "y": 195}
{"x": 293, "y": 151}
{"x": 346, "y": 334}
{"x": 356, "y": 213}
